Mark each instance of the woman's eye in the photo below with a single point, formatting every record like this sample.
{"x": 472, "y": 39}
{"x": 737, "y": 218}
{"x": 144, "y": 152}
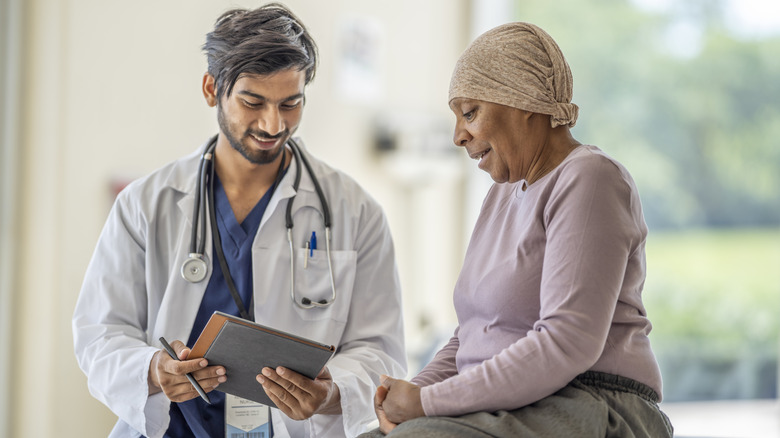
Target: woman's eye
{"x": 469, "y": 115}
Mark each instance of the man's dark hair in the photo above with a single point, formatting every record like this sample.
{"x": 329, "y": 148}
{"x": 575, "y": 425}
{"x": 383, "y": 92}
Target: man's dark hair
{"x": 260, "y": 41}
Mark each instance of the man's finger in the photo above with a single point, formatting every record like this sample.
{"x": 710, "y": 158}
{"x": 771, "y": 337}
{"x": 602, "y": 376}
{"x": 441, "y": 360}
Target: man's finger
{"x": 282, "y": 399}
{"x": 181, "y": 367}
{"x": 210, "y": 377}
{"x": 182, "y": 352}
{"x": 295, "y": 380}
{"x": 176, "y": 388}
{"x": 183, "y": 391}
{"x": 275, "y": 389}
{"x": 214, "y": 371}
{"x": 324, "y": 374}
{"x": 297, "y": 385}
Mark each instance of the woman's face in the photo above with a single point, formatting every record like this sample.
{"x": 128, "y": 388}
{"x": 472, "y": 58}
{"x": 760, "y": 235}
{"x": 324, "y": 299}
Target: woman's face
{"x": 505, "y": 140}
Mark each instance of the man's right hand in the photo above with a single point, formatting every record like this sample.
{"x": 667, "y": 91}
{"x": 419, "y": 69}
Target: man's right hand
{"x": 168, "y": 375}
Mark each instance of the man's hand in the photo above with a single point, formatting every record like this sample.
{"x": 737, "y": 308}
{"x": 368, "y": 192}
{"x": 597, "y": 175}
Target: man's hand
{"x": 298, "y": 396}
{"x": 168, "y": 375}
{"x": 401, "y": 402}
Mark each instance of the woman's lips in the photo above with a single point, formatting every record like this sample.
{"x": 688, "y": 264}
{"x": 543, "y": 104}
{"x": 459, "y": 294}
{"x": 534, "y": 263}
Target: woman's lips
{"x": 480, "y": 156}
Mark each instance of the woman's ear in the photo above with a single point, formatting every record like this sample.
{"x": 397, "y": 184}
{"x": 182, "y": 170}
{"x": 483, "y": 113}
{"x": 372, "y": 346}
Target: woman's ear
{"x": 210, "y": 89}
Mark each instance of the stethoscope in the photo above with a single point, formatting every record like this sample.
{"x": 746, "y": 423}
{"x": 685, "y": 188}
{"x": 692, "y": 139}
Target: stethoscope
{"x": 195, "y": 268}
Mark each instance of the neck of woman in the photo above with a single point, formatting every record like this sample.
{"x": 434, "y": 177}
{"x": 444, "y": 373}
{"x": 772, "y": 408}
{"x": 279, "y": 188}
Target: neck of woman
{"x": 558, "y": 146}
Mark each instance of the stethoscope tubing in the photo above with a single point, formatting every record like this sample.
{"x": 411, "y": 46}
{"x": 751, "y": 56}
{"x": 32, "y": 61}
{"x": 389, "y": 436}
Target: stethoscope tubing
{"x": 305, "y": 302}
{"x": 195, "y": 267}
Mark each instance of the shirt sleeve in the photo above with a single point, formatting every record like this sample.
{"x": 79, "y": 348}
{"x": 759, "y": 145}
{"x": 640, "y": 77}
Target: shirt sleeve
{"x": 108, "y": 325}
{"x": 592, "y": 227}
{"x": 373, "y": 340}
{"x": 443, "y": 365}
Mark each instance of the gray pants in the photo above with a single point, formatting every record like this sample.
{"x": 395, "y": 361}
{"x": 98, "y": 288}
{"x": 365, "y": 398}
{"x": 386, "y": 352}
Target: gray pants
{"x": 592, "y": 405}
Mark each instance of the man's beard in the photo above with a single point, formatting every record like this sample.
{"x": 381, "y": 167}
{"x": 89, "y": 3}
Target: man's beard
{"x": 254, "y": 157}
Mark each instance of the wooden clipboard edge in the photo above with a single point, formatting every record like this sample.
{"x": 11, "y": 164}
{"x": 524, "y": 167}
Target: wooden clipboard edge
{"x": 219, "y": 319}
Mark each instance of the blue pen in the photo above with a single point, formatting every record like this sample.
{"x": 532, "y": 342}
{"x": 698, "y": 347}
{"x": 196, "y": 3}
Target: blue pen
{"x": 312, "y": 244}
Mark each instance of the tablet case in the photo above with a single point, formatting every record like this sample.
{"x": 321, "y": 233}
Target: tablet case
{"x": 244, "y": 348}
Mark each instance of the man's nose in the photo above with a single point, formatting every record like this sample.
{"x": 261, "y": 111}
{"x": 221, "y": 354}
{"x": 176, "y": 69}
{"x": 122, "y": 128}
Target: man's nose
{"x": 271, "y": 121}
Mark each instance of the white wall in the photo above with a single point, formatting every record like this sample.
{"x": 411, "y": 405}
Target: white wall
{"x": 112, "y": 90}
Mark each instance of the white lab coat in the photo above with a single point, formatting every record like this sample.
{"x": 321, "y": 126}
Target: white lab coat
{"x": 133, "y": 293}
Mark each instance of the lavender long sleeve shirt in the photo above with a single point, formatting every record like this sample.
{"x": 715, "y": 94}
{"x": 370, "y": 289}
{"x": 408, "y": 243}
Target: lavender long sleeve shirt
{"x": 550, "y": 288}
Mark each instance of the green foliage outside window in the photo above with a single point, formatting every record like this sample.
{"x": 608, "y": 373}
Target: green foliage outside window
{"x": 699, "y": 133}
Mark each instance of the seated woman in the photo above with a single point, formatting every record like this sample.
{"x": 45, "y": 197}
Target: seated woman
{"x": 552, "y": 333}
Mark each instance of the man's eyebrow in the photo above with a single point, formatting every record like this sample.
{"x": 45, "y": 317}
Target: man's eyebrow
{"x": 263, "y": 98}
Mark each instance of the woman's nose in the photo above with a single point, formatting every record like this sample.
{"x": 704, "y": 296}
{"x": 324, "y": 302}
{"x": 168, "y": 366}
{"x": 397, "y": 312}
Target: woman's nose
{"x": 461, "y": 136}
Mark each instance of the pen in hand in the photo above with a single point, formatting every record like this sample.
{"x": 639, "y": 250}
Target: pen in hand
{"x": 192, "y": 380}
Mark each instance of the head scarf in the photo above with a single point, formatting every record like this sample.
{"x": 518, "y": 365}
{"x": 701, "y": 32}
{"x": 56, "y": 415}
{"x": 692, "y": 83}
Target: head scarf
{"x": 518, "y": 65}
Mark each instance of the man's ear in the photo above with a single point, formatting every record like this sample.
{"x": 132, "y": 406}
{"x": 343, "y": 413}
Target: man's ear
{"x": 210, "y": 89}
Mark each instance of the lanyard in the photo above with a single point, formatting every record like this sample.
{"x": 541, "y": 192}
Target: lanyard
{"x": 218, "y": 241}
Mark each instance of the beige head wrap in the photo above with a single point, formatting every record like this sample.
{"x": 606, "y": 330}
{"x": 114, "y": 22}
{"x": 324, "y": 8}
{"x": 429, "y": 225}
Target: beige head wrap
{"x": 518, "y": 65}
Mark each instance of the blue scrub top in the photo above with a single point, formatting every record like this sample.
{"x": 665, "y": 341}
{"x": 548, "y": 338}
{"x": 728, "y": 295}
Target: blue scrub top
{"x": 196, "y": 418}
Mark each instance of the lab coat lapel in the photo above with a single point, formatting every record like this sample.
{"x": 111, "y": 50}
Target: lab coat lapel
{"x": 182, "y": 300}
{"x": 303, "y": 197}
{"x": 185, "y": 179}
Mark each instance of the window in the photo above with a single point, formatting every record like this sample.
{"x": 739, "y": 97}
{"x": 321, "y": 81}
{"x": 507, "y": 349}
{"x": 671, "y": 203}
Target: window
{"x": 684, "y": 94}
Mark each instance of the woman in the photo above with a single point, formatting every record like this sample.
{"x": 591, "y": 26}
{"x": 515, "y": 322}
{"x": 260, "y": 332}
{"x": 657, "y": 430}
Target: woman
{"x": 552, "y": 333}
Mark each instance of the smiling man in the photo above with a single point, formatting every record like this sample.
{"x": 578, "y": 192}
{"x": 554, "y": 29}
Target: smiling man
{"x": 209, "y": 232}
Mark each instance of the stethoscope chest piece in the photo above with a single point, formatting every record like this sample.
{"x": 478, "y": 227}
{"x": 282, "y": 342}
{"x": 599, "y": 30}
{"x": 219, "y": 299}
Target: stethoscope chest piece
{"x": 195, "y": 268}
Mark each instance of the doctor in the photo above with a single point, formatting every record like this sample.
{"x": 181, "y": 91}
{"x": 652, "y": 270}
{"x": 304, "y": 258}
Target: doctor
{"x": 346, "y": 289}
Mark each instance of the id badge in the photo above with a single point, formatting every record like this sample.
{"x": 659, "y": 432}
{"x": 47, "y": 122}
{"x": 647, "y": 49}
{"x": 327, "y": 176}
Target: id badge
{"x": 246, "y": 418}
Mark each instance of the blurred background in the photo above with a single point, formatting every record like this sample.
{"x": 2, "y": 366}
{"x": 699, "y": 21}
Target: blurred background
{"x": 685, "y": 93}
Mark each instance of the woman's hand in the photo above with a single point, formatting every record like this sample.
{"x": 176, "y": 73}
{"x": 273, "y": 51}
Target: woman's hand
{"x": 396, "y": 401}
{"x": 385, "y": 425}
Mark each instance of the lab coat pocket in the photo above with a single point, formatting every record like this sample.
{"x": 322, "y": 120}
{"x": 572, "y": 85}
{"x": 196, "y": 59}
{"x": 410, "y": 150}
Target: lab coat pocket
{"x": 313, "y": 282}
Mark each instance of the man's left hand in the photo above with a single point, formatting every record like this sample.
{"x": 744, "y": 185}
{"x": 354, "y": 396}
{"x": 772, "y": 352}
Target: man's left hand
{"x": 299, "y": 397}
